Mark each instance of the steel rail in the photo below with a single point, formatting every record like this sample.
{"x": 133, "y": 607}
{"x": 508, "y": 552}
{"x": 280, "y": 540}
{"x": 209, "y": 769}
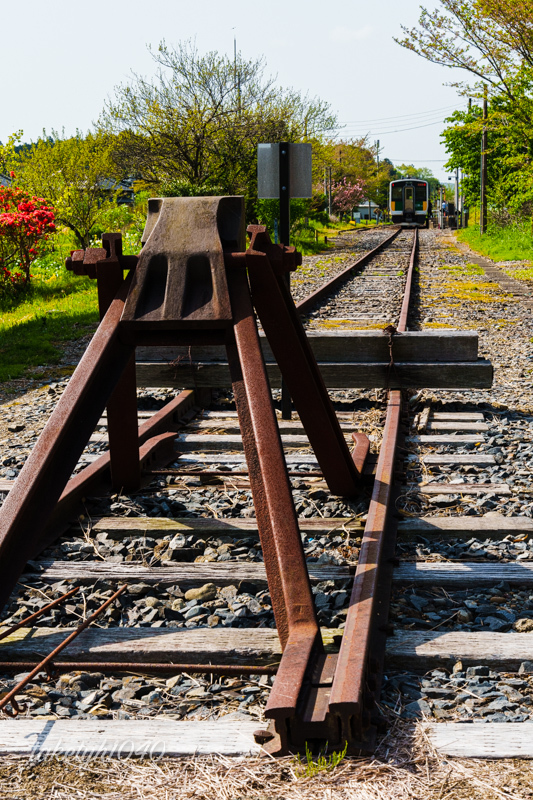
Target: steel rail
{"x": 308, "y": 302}
{"x": 26, "y": 621}
{"x": 357, "y": 677}
{"x": 9, "y": 698}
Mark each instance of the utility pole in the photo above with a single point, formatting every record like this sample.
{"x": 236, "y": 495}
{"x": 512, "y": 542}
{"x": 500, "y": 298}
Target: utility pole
{"x": 483, "y": 171}
{"x": 329, "y": 192}
{"x": 236, "y": 77}
{"x": 456, "y": 197}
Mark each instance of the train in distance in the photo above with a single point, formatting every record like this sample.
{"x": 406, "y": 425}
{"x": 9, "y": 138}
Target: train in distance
{"x": 409, "y": 202}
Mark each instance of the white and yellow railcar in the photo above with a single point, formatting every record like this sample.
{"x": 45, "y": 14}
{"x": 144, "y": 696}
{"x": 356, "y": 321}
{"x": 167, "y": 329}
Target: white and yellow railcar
{"x": 409, "y": 202}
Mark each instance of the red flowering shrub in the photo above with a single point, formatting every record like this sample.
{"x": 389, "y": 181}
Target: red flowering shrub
{"x": 26, "y": 222}
{"x": 12, "y": 284}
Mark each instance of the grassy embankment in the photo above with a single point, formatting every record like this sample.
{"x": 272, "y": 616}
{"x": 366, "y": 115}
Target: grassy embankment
{"x": 60, "y": 307}
{"x": 513, "y": 243}
{"x": 314, "y": 239}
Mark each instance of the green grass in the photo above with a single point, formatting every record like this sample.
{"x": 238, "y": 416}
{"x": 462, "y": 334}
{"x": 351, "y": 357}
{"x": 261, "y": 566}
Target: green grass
{"x": 305, "y": 239}
{"x": 525, "y": 274}
{"x": 60, "y": 307}
{"x": 460, "y": 270}
{"x": 309, "y": 768}
{"x": 513, "y": 243}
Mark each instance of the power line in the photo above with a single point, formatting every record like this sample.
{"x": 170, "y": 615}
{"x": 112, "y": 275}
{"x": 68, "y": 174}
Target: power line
{"x": 421, "y": 121}
{"x": 397, "y": 130}
{"x": 409, "y": 161}
{"x": 401, "y": 116}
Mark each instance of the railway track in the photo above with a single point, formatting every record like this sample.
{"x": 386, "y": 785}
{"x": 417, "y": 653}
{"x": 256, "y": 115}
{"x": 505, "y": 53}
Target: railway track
{"x": 187, "y": 547}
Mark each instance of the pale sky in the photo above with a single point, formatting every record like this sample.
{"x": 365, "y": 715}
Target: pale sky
{"x": 62, "y": 58}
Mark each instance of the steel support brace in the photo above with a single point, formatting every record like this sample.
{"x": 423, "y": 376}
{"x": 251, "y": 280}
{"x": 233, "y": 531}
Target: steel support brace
{"x": 29, "y": 504}
{"x": 281, "y": 543}
{"x": 292, "y": 351}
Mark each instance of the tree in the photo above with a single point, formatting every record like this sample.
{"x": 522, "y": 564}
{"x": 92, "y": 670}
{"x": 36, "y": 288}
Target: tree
{"x": 198, "y": 122}
{"x": 425, "y": 174}
{"x": 489, "y": 39}
{"x": 75, "y": 175}
{"x": 492, "y": 41}
{"x": 347, "y": 195}
{"x": 509, "y": 156}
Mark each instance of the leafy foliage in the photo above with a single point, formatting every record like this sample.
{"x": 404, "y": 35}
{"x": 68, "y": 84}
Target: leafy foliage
{"x": 76, "y": 175}
{"x": 346, "y": 195}
{"x": 12, "y": 286}
{"x": 26, "y": 222}
{"x": 492, "y": 41}
{"x": 200, "y": 120}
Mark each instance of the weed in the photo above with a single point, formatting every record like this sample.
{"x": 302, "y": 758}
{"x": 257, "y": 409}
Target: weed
{"x": 463, "y": 269}
{"x": 525, "y": 274}
{"x": 310, "y": 768}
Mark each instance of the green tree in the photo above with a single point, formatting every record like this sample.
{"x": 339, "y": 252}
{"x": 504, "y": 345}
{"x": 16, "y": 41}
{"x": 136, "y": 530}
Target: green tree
{"x": 492, "y": 42}
{"x": 488, "y": 39}
{"x": 76, "y": 175}
{"x": 198, "y": 122}
{"x": 425, "y": 174}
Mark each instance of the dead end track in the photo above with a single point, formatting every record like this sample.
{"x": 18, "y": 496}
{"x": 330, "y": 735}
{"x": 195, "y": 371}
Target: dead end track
{"x": 323, "y": 691}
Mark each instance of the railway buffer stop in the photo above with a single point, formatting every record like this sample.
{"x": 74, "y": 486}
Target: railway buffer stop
{"x": 196, "y": 285}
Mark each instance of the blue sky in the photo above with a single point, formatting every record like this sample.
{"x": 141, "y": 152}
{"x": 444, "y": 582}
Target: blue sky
{"x": 62, "y": 59}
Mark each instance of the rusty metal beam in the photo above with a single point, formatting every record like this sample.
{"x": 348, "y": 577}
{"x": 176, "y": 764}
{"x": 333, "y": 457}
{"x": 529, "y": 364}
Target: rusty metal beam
{"x": 292, "y": 351}
{"x": 28, "y": 506}
{"x": 358, "y": 671}
{"x": 281, "y": 543}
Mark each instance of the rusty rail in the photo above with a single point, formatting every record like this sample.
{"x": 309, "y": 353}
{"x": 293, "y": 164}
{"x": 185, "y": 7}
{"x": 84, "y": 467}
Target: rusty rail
{"x": 10, "y": 697}
{"x": 338, "y": 701}
{"x": 357, "y": 678}
{"x": 32, "y": 617}
{"x": 308, "y": 302}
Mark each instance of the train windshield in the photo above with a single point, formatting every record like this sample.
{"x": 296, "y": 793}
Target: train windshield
{"x": 420, "y": 191}
{"x": 396, "y": 191}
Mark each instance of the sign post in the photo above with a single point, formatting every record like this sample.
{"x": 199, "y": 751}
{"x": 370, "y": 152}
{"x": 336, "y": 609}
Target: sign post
{"x": 284, "y": 170}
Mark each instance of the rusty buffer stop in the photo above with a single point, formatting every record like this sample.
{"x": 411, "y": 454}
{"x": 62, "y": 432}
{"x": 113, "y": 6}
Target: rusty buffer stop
{"x": 195, "y": 283}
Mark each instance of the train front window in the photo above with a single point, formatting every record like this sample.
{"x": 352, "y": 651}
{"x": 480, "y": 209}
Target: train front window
{"x": 409, "y": 198}
{"x": 396, "y": 192}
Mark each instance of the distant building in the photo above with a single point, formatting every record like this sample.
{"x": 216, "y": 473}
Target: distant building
{"x": 365, "y": 207}
{"x": 124, "y": 190}
{"x": 5, "y": 180}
